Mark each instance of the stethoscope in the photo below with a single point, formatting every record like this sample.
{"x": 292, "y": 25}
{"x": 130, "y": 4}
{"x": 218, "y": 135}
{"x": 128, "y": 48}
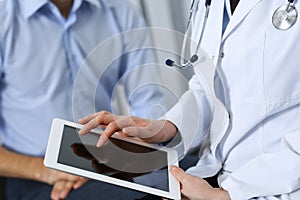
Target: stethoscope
{"x": 285, "y": 16}
{"x": 283, "y": 19}
{"x": 194, "y": 57}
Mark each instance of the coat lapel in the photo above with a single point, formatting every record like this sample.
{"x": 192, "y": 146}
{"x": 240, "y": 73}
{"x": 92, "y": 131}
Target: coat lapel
{"x": 241, "y": 11}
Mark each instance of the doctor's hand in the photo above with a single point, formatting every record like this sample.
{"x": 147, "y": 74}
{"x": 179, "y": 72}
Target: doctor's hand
{"x": 151, "y": 131}
{"x": 193, "y": 187}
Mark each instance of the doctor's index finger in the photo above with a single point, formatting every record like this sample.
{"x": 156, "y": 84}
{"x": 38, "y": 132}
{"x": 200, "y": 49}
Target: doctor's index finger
{"x": 113, "y": 127}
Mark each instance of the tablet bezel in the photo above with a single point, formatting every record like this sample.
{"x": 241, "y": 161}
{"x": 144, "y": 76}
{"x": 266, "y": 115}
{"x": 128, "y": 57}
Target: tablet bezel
{"x": 52, "y": 153}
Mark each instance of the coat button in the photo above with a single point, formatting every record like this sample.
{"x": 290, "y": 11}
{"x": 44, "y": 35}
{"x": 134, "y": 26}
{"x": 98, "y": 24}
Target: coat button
{"x": 222, "y": 55}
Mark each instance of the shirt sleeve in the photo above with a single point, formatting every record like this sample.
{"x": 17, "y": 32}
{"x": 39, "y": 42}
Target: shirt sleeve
{"x": 139, "y": 70}
{"x": 270, "y": 174}
{"x": 1, "y": 71}
{"x": 1, "y": 64}
{"x": 2, "y": 14}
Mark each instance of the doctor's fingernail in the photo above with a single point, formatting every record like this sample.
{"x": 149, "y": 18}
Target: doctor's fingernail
{"x": 102, "y": 142}
{"x": 173, "y": 168}
{"x": 127, "y": 131}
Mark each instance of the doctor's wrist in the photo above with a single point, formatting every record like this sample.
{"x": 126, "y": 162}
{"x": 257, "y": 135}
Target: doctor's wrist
{"x": 221, "y": 194}
{"x": 169, "y": 131}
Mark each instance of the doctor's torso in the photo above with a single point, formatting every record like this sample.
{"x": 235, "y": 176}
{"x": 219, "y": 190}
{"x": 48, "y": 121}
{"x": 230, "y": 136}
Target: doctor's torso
{"x": 258, "y": 66}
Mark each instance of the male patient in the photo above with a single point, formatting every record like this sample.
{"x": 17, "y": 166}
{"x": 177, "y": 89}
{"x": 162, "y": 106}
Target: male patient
{"x": 42, "y": 46}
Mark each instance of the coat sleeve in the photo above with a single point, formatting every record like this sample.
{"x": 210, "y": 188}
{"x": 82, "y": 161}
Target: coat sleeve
{"x": 270, "y": 175}
{"x": 192, "y": 116}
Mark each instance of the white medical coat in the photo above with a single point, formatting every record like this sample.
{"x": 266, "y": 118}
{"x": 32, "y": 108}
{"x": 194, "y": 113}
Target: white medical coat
{"x": 258, "y": 66}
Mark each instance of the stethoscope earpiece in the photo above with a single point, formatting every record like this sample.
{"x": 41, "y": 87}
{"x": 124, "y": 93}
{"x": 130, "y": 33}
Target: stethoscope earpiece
{"x": 195, "y": 57}
{"x": 172, "y": 63}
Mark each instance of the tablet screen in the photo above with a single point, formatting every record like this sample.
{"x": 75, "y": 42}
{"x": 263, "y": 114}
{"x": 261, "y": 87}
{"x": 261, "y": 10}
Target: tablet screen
{"x": 119, "y": 159}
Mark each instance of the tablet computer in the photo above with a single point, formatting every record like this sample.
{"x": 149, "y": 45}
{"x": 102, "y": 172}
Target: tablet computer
{"x": 121, "y": 161}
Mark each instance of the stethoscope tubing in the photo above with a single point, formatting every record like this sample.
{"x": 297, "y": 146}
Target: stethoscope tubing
{"x": 194, "y": 57}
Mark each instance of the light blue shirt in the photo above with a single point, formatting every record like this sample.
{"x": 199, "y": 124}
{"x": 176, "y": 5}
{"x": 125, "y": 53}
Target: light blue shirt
{"x": 40, "y": 54}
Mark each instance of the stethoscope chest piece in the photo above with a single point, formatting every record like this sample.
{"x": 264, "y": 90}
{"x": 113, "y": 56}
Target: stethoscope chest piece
{"x": 285, "y": 17}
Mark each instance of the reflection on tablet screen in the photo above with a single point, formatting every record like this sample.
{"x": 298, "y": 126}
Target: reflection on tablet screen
{"x": 118, "y": 159}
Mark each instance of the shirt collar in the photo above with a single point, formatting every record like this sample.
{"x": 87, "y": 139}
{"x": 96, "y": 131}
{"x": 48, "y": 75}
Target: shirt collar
{"x": 30, "y": 7}
{"x": 94, "y": 2}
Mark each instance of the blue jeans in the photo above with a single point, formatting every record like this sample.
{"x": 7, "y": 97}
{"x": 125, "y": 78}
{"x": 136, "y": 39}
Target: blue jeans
{"x": 20, "y": 189}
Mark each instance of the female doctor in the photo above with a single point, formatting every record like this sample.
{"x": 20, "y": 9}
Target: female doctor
{"x": 250, "y": 122}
